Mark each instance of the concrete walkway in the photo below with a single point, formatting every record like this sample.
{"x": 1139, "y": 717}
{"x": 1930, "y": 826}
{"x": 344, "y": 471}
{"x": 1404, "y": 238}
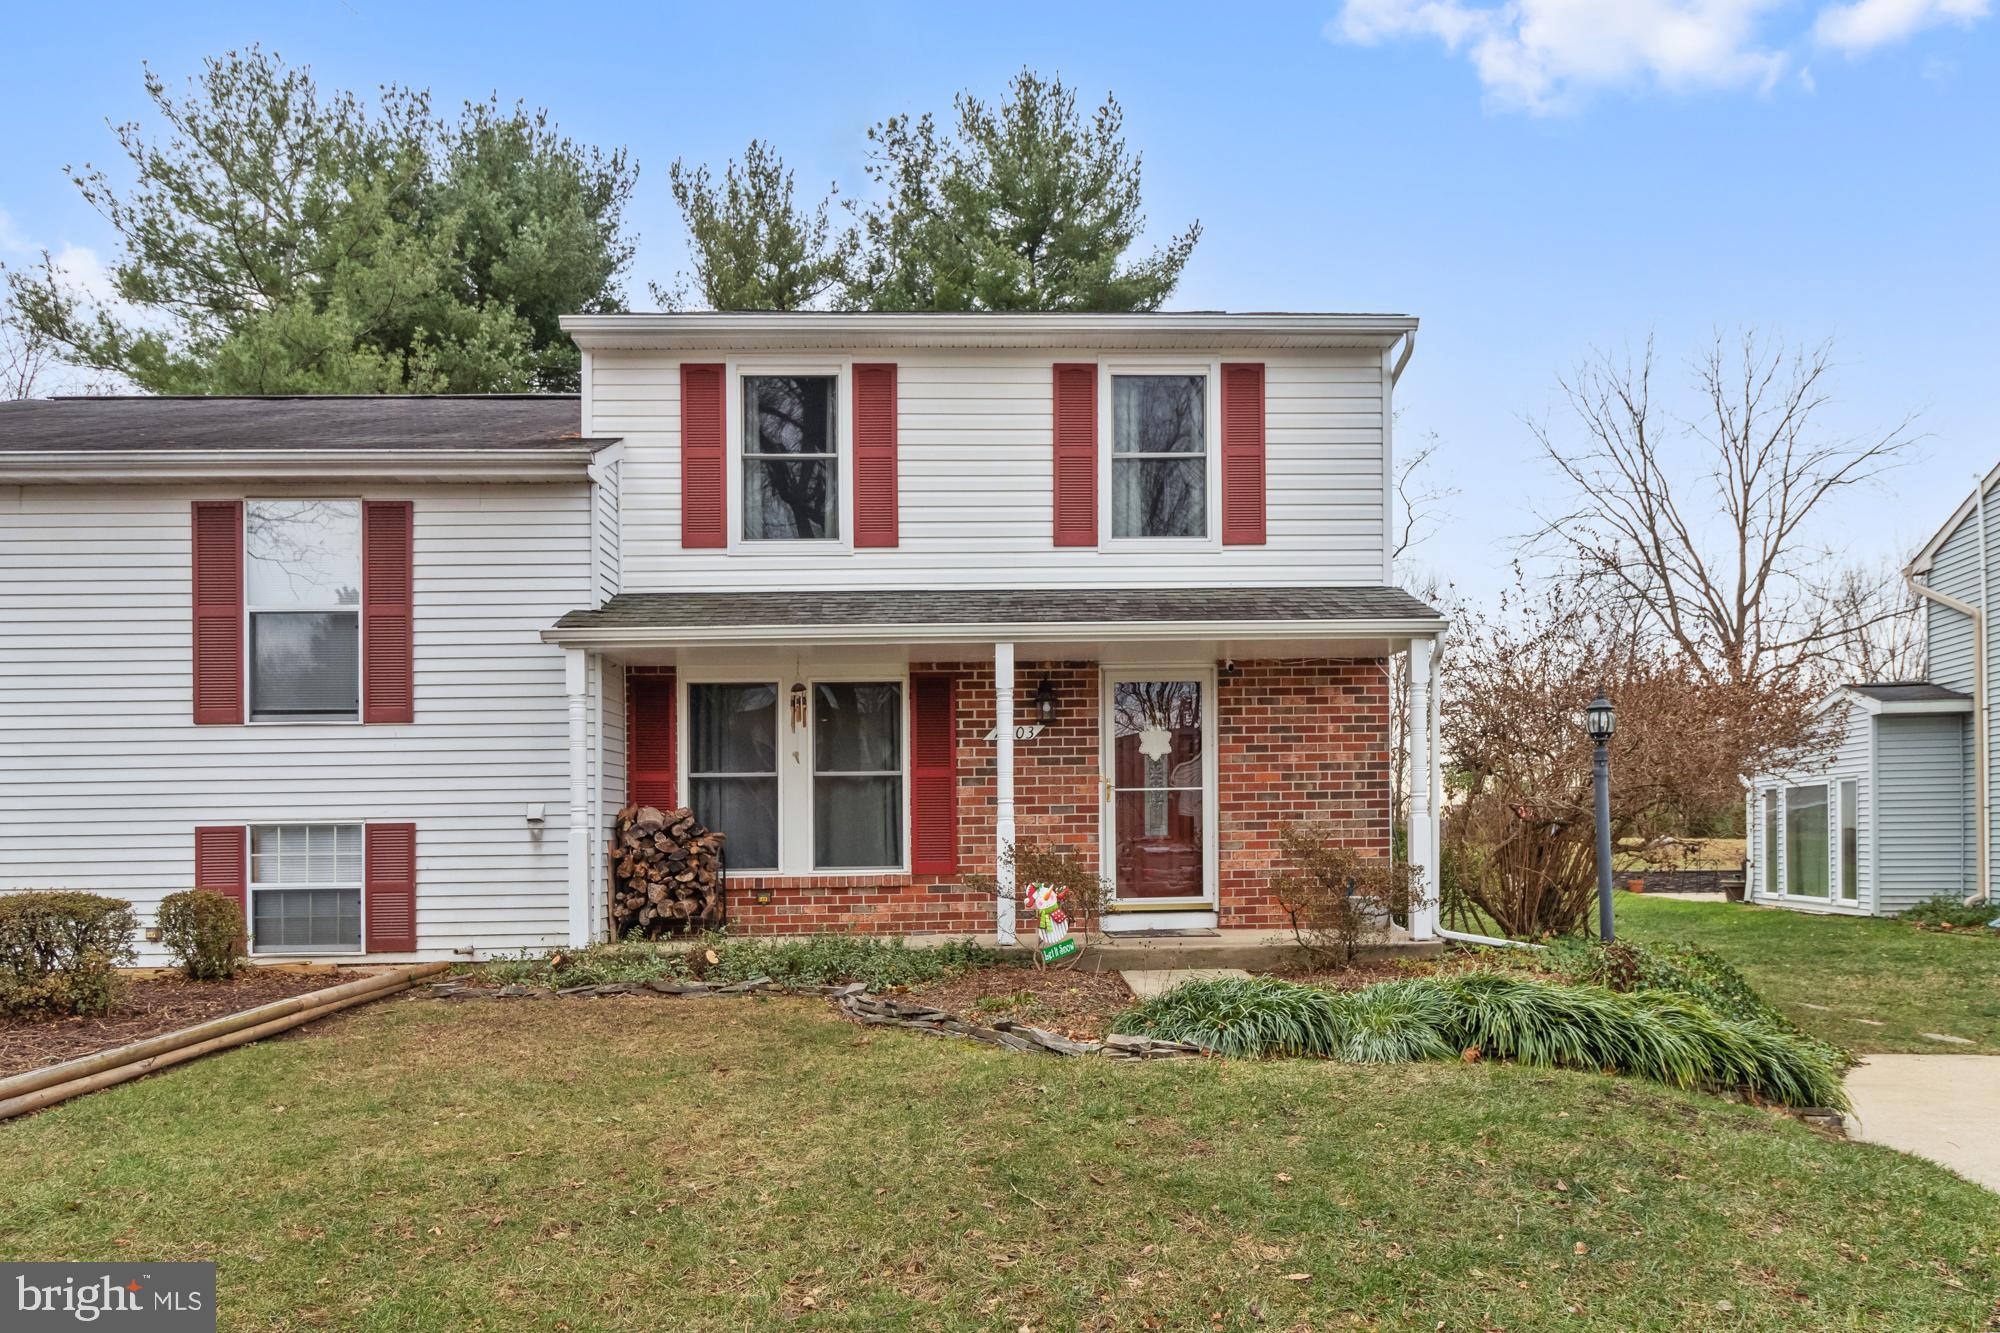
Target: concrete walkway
{"x": 1146, "y": 982}
{"x": 1944, "y": 1107}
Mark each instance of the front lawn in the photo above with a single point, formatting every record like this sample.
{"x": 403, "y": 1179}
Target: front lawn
{"x": 729, "y": 1164}
{"x": 1831, "y": 974}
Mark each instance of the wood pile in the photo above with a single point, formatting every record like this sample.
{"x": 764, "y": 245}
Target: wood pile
{"x": 666, "y": 873}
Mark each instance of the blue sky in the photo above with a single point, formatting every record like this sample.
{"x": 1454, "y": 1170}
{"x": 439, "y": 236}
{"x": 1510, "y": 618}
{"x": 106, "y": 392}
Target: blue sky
{"x": 1529, "y": 181}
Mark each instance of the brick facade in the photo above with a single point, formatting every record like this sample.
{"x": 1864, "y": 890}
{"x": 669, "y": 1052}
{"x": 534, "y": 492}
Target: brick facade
{"x": 1297, "y": 740}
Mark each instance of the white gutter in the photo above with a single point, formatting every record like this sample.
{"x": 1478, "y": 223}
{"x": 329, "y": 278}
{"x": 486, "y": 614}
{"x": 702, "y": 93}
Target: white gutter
{"x": 694, "y": 636}
{"x": 1979, "y": 738}
{"x": 112, "y": 465}
{"x": 724, "y": 330}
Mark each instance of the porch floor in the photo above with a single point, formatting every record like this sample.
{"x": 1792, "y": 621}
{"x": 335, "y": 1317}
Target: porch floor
{"x": 1250, "y": 950}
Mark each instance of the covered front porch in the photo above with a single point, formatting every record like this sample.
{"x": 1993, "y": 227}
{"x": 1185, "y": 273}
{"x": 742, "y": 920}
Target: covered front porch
{"x": 871, "y": 756}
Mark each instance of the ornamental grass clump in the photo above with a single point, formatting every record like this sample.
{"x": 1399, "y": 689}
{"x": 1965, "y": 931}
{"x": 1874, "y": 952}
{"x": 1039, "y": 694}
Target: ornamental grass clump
{"x": 1657, "y": 1035}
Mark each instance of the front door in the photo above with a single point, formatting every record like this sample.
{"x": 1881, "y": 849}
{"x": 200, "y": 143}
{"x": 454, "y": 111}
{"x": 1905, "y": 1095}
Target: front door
{"x": 1158, "y": 807}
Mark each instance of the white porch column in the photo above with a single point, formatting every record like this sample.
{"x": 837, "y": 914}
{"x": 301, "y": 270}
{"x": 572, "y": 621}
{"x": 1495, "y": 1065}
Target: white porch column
{"x": 1423, "y": 829}
{"x": 576, "y": 681}
{"x": 1003, "y": 784}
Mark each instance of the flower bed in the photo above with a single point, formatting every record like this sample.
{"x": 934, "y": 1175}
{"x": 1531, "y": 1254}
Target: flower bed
{"x": 150, "y": 1006}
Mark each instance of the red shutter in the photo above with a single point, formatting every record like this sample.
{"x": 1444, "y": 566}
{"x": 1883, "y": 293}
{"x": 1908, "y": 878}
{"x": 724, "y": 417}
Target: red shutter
{"x": 389, "y": 873}
{"x": 649, "y": 741}
{"x": 875, "y": 493}
{"x": 1243, "y": 486}
{"x": 1076, "y": 455}
{"x": 221, "y": 863}
{"x": 704, "y": 458}
{"x": 388, "y": 665}
{"x": 218, "y": 611}
{"x": 933, "y": 776}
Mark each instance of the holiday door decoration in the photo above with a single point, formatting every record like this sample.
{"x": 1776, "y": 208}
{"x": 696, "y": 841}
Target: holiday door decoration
{"x": 1052, "y": 924}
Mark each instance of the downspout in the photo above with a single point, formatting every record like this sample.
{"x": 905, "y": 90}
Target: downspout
{"x": 1437, "y": 807}
{"x": 1979, "y": 754}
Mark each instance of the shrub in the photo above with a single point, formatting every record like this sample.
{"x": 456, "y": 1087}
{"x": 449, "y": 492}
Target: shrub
{"x": 1945, "y": 912}
{"x": 203, "y": 930}
{"x": 59, "y": 952}
{"x": 1664, "y": 1037}
{"x": 1335, "y": 896}
{"x": 1082, "y": 890}
{"x": 1683, "y": 969}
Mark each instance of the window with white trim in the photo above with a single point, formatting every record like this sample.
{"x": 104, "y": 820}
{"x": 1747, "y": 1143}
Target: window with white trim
{"x": 800, "y": 776}
{"x": 791, "y": 458}
{"x": 305, "y": 888}
{"x": 732, "y": 732}
{"x": 857, "y": 775}
{"x": 302, "y": 599}
{"x": 1159, "y": 456}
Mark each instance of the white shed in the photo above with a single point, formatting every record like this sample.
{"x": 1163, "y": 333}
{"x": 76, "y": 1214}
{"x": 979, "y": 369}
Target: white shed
{"x": 1885, "y": 822}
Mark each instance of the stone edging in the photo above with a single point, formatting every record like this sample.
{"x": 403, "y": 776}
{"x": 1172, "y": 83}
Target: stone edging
{"x": 855, "y": 1001}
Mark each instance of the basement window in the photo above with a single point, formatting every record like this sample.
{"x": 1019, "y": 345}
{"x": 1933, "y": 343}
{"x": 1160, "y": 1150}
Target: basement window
{"x": 305, "y": 888}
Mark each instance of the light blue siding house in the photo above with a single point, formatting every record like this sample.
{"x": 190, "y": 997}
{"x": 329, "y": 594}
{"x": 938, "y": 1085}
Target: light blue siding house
{"x": 1898, "y": 811}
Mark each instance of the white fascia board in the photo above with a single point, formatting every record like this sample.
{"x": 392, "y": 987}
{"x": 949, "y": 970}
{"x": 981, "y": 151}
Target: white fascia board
{"x": 1920, "y": 563}
{"x": 113, "y": 465}
{"x": 1924, "y": 706}
{"x": 1127, "y": 631}
{"x": 710, "y": 331}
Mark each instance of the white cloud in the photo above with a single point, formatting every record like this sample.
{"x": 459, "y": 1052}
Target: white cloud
{"x": 1863, "y": 25}
{"x": 1547, "y": 55}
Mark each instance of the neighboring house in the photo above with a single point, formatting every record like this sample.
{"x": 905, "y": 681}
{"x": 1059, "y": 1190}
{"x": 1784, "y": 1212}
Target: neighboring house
{"x": 1893, "y": 815}
{"x": 874, "y": 594}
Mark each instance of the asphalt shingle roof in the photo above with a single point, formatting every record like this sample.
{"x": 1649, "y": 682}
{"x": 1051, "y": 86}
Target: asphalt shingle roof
{"x": 1908, "y": 692}
{"x": 1043, "y": 606}
{"x": 462, "y": 421}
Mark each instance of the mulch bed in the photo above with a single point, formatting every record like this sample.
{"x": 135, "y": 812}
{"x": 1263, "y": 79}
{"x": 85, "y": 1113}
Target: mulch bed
{"x": 1364, "y": 972}
{"x": 149, "y": 1007}
{"x": 1077, "y": 1003}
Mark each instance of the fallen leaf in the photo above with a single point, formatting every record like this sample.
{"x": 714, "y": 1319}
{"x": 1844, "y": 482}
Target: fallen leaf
{"x": 1580, "y": 1248}
{"x": 1298, "y": 1277}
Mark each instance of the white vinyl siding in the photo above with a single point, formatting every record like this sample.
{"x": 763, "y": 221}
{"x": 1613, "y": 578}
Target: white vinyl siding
{"x": 975, "y": 460}
{"x": 104, "y": 776}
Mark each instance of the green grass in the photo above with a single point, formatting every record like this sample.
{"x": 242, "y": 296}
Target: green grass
{"x": 740, "y": 1164}
{"x": 1910, "y": 981}
{"x": 1655, "y": 1034}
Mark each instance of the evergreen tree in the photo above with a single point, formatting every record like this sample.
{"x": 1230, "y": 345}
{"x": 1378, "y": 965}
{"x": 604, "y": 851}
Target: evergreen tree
{"x": 276, "y": 240}
{"x": 1026, "y": 207}
{"x": 753, "y": 247}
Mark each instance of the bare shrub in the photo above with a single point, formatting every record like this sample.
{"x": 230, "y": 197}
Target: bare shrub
{"x": 1082, "y": 890}
{"x": 1337, "y": 898}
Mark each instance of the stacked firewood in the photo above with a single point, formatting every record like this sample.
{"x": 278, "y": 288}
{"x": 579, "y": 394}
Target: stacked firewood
{"x": 666, "y": 873}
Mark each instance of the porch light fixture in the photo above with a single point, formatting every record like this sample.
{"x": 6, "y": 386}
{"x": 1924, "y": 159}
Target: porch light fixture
{"x": 1045, "y": 701}
{"x": 1599, "y": 721}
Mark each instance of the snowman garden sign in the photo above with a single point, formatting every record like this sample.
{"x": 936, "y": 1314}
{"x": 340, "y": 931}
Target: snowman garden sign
{"x": 1051, "y": 924}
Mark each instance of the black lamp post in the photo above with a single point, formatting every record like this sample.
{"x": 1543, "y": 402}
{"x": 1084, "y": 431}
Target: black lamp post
{"x": 1599, "y": 720}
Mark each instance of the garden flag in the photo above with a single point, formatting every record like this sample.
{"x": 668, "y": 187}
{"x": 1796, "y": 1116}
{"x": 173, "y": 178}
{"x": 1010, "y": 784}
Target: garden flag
{"x": 1052, "y": 924}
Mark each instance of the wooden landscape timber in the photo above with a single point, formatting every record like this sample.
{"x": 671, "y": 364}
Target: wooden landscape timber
{"x": 39, "y": 1088}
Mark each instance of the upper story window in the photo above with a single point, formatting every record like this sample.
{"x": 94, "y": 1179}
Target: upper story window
{"x": 302, "y": 597}
{"x": 791, "y": 467}
{"x": 1159, "y": 456}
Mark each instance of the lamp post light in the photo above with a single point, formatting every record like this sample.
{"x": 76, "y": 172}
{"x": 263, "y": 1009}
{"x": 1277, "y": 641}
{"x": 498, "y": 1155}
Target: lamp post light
{"x": 1599, "y": 720}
